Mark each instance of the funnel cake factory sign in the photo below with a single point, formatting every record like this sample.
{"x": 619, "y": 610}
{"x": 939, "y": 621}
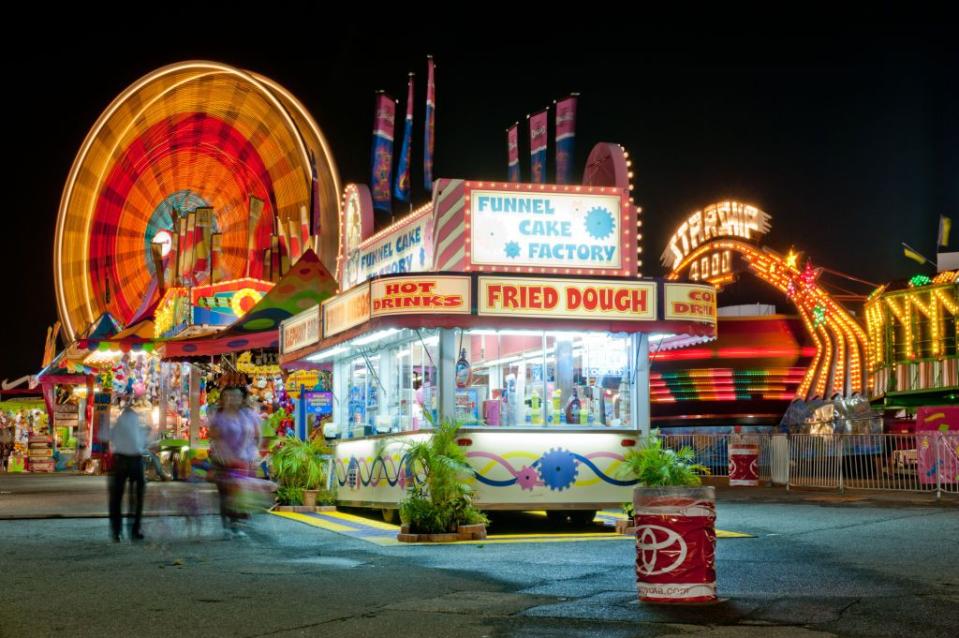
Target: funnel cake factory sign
{"x": 567, "y": 298}
{"x": 554, "y": 229}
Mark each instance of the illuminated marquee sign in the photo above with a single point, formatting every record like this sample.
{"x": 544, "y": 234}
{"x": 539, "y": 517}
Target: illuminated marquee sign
{"x": 409, "y": 248}
{"x": 690, "y": 302}
{"x": 724, "y": 220}
{"x": 514, "y": 229}
{"x": 300, "y": 330}
{"x": 567, "y": 298}
{"x": 346, "y": 310}
{"x": 417, "y": 295}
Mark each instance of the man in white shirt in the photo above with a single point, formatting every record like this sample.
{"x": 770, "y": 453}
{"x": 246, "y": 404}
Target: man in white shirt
{"x": 128, "y": 441}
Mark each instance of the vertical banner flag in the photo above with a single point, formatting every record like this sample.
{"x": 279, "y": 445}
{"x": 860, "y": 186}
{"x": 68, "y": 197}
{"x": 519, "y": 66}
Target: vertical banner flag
{"x": 181, "y": 250}
{"x": 565, "y": 138}
{"x": 283, "y": 245}
{"x": 172, "y": 261}
{"x": 512, "y": 152}
{"x": 156, "y": 254}
{"x": 429, "y": 133}
{"x": 275, "y": 258}
{"x": 216, "y": 258}
{"x": 304, "y": 230}
{"x": 296, "y": 244}
{"x": 537, "y": 147}
{"x": 254, "y": 262}
{"x": 945, "y": 225}
{"x": 913, "y": 254}
{"x": 204, "y": 224}
{"x": 401, "y": 191}
{"x": 188, "y": 255}
{"x": 383, "y": 151}
{"x": 313, "y": 220}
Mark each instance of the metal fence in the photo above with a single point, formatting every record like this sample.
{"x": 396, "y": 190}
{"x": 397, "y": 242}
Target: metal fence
{"x": 923, "y": 462}
{"x": 712, "y": 450}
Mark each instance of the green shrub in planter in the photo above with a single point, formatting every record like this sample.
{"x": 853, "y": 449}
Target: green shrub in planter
{"x": 653, "y": 465}
{"x": 439, "y": 499}
{"x": 299, "y": 466}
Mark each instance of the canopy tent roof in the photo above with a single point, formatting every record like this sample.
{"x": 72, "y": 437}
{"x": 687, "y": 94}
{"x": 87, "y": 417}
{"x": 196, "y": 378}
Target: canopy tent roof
{"x": 308, "y": 283}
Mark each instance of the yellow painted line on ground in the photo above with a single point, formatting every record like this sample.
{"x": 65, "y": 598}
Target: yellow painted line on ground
{"x": 315, "y": 522}
{"x": 496, "y": 540}
{"x": 362, "y": 521}
{"x": 567, "y": 535}
{"x": 385, "y": 540}
{"x": 721, "y": 533}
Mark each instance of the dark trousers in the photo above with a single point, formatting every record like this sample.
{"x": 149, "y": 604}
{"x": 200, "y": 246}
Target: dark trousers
{"x": 126, "y": 468}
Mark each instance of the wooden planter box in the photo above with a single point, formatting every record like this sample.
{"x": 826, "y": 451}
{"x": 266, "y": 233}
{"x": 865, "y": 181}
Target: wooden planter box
{"x": 626, "y": 527}
{"x": 463, "y": 533}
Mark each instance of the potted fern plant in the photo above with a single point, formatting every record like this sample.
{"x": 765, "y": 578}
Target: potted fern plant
{"x": 674, "y": 517}
{"x": 299, "y": 469}
{"x": 439, "y": 501}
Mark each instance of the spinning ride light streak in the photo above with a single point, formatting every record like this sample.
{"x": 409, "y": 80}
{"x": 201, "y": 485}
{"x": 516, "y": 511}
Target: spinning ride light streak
{"x": 187, "y": 136}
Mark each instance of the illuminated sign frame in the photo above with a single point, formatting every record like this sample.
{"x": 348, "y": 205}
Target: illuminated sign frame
{"x": 690, "y": 302}
{"x": 723, "y": 220}
{"x": 404, "y": 247}
{"x": 301, "y": 330}
{"x": 532, "y": 202}
{"x": 553, "y": 298}
{"x": 442, "y": 294}
{"x": 346, "y": 310}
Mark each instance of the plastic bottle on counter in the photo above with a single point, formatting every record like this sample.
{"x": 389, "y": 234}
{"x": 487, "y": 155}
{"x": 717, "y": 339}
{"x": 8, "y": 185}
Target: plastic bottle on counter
{"x": 573, "y": 409}
{"x": 536, "y": 408}
{"x": 557, "y": 410}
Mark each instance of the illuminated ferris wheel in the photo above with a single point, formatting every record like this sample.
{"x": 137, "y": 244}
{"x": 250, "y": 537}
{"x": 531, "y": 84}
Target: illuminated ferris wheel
{"x": 189, "y": 136}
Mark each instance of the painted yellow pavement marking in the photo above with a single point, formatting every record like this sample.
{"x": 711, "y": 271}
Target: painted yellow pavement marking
{"x": 314, "y": 521}
{"x": 362, "y": 521}
{"x": 384, "y": 534}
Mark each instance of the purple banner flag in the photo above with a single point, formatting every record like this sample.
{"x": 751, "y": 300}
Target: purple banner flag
{"x": 537, "y": 147}
{"x": 429, "y": 134}
{"x": 512, "y": 152}
{"x": 565, "y": 138}
{"x": 401, "y": 190}
{"x": 382, "y": 160}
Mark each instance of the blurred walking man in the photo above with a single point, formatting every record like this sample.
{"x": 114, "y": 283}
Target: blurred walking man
{"x": 128, "y": 441}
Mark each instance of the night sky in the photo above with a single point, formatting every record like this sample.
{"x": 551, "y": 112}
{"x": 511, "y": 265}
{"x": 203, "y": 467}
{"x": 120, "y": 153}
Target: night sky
{"x": 848, "y": 137}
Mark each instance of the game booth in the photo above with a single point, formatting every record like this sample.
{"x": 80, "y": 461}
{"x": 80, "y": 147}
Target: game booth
{"x": 515, "y": 309}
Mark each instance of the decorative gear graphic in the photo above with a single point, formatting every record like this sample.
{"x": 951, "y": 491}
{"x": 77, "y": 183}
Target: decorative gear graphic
{"x": 512, "y": 249}
{"x": 599, "y": 223}
{"x": 527, "y": 478}
{"x": 557, "y": 469}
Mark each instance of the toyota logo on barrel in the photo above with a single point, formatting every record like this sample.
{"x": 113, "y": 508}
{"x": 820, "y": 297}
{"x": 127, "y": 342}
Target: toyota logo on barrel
{"x": 661, "y": 550}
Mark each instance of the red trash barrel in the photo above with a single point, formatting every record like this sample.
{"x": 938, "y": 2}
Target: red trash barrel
{"x": 744, "y": 464}
{"x": 675, "y": 544}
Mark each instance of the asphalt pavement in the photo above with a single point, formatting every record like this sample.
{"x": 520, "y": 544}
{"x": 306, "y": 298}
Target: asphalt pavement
{"x": 817, "y": 565}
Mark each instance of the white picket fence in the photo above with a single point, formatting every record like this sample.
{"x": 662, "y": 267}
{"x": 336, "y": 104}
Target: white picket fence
{"x": 924, "y": 462}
